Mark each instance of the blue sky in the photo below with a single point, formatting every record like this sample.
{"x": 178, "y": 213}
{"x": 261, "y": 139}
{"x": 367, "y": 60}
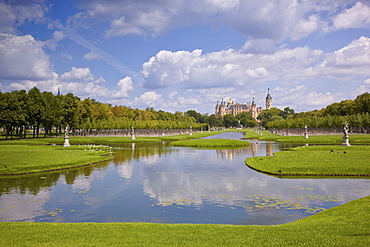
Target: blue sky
{"x": 179, "y": 55}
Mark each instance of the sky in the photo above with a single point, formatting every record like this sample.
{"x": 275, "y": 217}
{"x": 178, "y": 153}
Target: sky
{"x": 179, "y": 55}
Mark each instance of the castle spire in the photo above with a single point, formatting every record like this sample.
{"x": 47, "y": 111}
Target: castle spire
{"x": 268, "y": 100}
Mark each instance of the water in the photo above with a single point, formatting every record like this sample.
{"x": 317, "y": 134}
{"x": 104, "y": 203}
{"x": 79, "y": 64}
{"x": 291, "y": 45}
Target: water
{"x": 157, "y": 183}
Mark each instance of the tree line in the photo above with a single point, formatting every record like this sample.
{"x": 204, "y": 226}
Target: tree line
{"x": 354, "y": 112}
{"x": 22, "y": 112}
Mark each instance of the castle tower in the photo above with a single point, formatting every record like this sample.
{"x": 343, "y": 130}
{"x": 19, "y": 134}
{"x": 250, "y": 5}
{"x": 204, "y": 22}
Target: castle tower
{"x": 268, "y": 100}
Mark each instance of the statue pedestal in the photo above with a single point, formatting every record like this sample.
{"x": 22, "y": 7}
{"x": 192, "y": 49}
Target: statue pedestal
{"x": 345, "y": 141}
{"x": 66, "y": 142}
{"x": 305, "y": 135}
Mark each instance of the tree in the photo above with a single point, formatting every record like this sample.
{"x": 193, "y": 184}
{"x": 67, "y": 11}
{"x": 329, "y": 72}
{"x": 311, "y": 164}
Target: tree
{"x": 70, "y": 110}
{"x": 196, "y": 115}
{"x": 362, "y": 103}
{"x": 213, "y": 120}
{"x": 246, "y": 119}
{"x": 36, "y": 109}
{"x": 10, "y": 112}
{"x": 22, "y": 97}
{"x": 229, "y": 121}
{"x": 287, "y": 112}
{"x": 266, "y": 116}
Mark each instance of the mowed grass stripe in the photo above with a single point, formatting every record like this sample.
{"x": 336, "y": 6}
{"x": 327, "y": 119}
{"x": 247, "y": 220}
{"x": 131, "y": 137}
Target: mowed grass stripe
{"x": 16, "y": 159}
{"x": 316, "y": 160}
{"x": 345, "y": 225}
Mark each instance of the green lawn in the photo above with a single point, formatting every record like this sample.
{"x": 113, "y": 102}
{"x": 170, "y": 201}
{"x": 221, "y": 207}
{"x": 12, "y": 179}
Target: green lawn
{"x": 104, "y": 139}
{"x": 16, "y": 159}
{"x": 210, "y": 143}
{"x": 314, "y": 139}
{"x": 345, "y": 225}
{"x": 312, "y": 160}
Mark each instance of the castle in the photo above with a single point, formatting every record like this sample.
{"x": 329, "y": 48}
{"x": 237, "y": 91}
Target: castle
{"x": 235, "y": 109}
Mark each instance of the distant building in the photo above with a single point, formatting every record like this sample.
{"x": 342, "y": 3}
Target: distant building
{"x": 235, "y": 108}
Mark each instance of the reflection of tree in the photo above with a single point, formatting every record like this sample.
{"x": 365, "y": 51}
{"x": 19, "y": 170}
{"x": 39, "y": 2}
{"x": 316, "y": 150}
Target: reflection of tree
{"x": 230, "y": 153}
{"x": 135, "y": 151}
{"x": 269, "y": 149}
{"x": 35, "y": 183}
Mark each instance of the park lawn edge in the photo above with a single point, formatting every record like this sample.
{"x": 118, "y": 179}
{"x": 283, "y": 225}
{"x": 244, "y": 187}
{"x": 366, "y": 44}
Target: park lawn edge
{"x": 45, "y": 157}
{"x": 360, "y": 139}
{"x": 210, "y": 143}
{"x": 313, "y": 161}
{"x": 75, "y": 140}
{"x": 344, "y": 225}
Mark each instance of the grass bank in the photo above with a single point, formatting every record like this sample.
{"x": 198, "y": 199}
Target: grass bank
{"x": 22, "y": 156}
{"x": 363, "y": 139}
{"x": 210, "y": 143}
{"x": 103, "y": 139}
{"x": 345, "y": 225}
{"x": 315, "y": 160}
{"x": 16, "y": 159}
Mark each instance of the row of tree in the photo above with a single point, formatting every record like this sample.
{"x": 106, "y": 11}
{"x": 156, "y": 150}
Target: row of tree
{"x": 354, "y": 112}
{"x": 22, "y": 110}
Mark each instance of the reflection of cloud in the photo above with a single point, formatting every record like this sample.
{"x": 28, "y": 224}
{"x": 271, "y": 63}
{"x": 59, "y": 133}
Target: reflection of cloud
{"x": 125, "y": 170}
{"x": 151, "y": 160}
{"x": 26, "y": 207}
{"x": 81, "y": 183}
{"x": 197, "y": 177}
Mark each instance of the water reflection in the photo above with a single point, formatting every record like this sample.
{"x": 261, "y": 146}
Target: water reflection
{"x": 157, "y": 183}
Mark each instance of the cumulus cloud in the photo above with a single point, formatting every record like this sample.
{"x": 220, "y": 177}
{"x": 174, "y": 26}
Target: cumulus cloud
{"x": 303, "y": 98}
{"x": 82, "y": 82}
{"x": 77, "y": 74}
{"x": 347, "y": 62}
{"x": 23, "y": 58}
{"x": 123, "y": 87}
{"x": 151, "y": 99}
{"x": 225, "y": 68}
{"x": 367, "y": 81}
{"x": 356, "y": 17}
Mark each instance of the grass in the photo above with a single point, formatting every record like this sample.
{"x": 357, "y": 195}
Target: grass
{"x": 21, "y": 156}
{"x": 313, "y": 139}
{"x": 315, "y": 160}
{"x": 210, "y": 143}
{"x": 345, "y": 225}
{"x": 103, "y": 139}
{"x": 17, "y": 159}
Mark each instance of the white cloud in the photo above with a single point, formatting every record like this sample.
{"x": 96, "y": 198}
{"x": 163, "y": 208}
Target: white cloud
{"x": 22, "y": 57}
{"x": 265, "y": 19}
{"x": 92, "y": 55}
{"x": 347, "y": 62}
{"x": 151, "y": 99}
{"x": 225, "y": 68}
{"x": 258, "y": 72}
{"x": 367, "y": 81}
{"x": 356, "y": 17}
{"x": 123, "y": 87}
{"x": 15, "y": 13}
{"x": 77, "y": 74}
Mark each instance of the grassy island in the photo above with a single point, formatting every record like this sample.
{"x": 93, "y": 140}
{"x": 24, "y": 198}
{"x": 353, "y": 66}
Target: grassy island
{"x": 25, "y": 159}
{"x": 345, "y": 225}
{"x": 316, "y": 160}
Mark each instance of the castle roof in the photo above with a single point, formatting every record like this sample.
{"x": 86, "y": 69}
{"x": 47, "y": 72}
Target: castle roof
{"x": 268, "y": 97}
